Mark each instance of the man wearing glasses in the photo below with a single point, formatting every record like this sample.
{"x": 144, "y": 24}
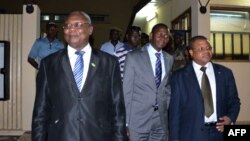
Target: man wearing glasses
{"x": 204, "y": 97}
{"x": 79, "y": 93}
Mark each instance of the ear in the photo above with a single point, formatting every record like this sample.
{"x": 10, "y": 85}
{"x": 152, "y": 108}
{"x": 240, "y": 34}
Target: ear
{"x": 191, "y": 52}
{"x": 91, "y": 28}
{"x": 150, "y": 36}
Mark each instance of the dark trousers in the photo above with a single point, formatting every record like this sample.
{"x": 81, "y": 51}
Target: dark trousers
{"x": 212, "y": 134}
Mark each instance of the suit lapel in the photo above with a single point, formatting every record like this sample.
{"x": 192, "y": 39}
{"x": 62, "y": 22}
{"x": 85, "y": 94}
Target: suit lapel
{"x": 94, "y": 63}
{"x": 146, "y": 65}
{"x": 66, "y": 68}
{"x": 166, "y": 63}
{"x": 192, "y": 81}
{"x": 218, "y": 80}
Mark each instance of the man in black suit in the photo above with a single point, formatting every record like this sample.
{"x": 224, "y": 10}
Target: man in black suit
{"x": 204, "y": 97}
{"x": 66, "y": 110}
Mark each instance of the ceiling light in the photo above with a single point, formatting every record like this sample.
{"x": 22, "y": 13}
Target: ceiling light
{"x": 151, "y": 16}
{"x": 226, "y": 15}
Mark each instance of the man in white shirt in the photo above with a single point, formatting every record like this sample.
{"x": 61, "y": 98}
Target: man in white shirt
{"x": 114, "y": 43}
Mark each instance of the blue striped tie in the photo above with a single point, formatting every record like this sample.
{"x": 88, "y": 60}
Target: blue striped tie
{"x": 78, "y": 69}
{"x": 158, "y": 69}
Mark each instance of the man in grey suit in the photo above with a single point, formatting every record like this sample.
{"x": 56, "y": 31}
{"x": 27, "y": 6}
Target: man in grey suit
{"x": 146, "y": 88}
{"x": 66, "y": 110}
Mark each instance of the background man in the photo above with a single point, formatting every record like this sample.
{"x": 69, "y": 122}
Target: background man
{"x": 43, "y": 47}
{"x": 133, "y": 42}
{"x": 114, "y": 42}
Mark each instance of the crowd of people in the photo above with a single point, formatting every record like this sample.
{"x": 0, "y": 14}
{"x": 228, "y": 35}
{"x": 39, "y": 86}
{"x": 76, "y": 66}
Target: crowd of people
{"x": 135, "y": 90}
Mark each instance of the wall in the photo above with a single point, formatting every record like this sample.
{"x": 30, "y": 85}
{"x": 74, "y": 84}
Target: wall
{"x": 21, "y": 31}
{"x": 11, "y": 110}
{"x": 240, "y": 69}
{"x": 30, "y": 32}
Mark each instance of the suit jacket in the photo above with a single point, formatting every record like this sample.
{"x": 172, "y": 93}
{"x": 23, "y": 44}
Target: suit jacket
{"x": 140, "y": 90}
{"x": 62, "y": 113}
{"x": 186, "y": 108}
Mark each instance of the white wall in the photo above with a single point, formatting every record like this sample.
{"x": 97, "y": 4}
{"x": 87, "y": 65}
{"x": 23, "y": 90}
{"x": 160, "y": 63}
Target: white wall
{"x": 31, "y": 31}
{"x": 241, "y": 73}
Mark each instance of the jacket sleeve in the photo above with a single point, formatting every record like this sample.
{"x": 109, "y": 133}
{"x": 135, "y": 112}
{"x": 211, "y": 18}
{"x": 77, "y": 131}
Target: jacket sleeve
{"x": 118, "y": 105}
{"x": 128, "y": 82}
{"x": 40, "y": 111}
{"x": 233, "y": 101}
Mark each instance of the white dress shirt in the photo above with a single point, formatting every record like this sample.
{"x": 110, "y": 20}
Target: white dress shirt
{"x": 153, "y": 58}
{"x": 86, "y": 60}
{"x": 211, "y": 78}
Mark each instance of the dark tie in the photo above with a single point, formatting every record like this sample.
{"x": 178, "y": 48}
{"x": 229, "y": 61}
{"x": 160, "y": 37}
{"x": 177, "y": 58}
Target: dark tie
{"x": 78, "y": 69}
{"x": 157, "y": 76}
{"x": 158, "y": 69}
{"x": 206, "y": 93}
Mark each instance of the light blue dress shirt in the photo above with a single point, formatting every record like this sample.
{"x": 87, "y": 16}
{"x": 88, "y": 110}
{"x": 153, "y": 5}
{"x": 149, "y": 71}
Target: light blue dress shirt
{"x": 42, "y": 48}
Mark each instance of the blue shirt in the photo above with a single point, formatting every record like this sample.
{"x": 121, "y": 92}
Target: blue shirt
{"x": 42, "y": 48}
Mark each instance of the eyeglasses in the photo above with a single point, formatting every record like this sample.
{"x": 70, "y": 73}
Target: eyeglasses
{"x": 202, "y": 49}
{"x": 77, "y": 25}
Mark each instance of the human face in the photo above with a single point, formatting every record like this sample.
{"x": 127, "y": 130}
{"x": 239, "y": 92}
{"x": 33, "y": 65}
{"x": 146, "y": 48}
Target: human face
{"x": 77, "y": 31}
{"x": 115, "y": 35}
{"x": 201, "y": 52}
{"x": 134, "y": 39}
{"x": 52, "y": 32}
{"x": 160, "y": 38}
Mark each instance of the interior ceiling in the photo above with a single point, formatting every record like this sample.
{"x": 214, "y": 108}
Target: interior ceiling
{"x": 115, "y": 9}
{"x": 65, "y": 6}
{"x": 140, "y": 19}
{"x": 107, "y": 7}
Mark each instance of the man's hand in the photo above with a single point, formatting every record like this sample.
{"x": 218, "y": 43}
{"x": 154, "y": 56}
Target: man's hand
{"x": 225, "y": 120}
{"x": 127, "y": 131}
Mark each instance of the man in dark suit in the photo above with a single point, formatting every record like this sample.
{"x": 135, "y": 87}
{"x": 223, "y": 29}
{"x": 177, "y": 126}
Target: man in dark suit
{"x": 66, "y": 110}
{"x": 146, "y": 93}
{"x": 189, "y": 119}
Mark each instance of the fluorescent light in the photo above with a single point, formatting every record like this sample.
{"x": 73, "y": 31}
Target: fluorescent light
{"x": 151, "y": 16}
{"x": 146, "y": 10}
{"x": 226, "y": 15}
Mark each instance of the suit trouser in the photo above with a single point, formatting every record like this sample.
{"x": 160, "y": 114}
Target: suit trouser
{"x": 212, "y": 134}
{"x": 155, "y": 133}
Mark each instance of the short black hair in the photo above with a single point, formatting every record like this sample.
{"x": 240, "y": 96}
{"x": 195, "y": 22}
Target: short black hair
{"x": 195, "y": 38}
{"x": 133, "y": 29}
{"x": 143, "y": 34}
{"x": 159, "y": 25}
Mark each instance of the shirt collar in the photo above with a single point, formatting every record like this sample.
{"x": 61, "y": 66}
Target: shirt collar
{"x": 197, "y": 67}
{"x": 71, "y": 51}
{"x": 152, "y": 50}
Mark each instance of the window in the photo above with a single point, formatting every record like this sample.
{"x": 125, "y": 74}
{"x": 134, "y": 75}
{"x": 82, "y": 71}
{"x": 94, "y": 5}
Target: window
{"x": 183, "y": 24}
{"x": 230, "y": 33}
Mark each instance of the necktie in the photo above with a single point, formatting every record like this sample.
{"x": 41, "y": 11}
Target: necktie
{"x": 158, "y": 69}
{"x": 206, "y": 93}
{"x": 157, "y": 76}
{"x": 78, "y": 69}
